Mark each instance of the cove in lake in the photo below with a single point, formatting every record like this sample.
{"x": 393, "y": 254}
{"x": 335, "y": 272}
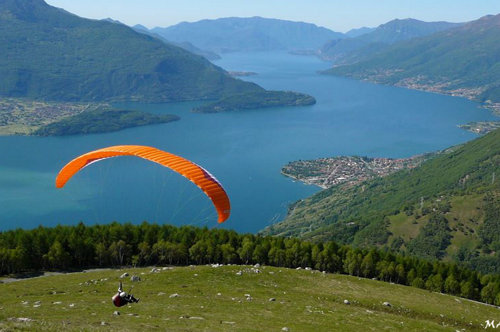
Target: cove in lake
{"x": 244, "y": 150}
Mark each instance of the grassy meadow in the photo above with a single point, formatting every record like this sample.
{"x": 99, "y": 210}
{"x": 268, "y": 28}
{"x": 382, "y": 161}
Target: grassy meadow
{"x": 229, "y": 298}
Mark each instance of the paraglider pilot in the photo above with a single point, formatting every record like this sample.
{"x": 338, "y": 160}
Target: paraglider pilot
{"x": 122, "y": 298}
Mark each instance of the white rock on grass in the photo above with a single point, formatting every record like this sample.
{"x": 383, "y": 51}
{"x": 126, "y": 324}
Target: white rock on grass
{"x": 20, "y": 319}
{"x": 155, "y": 270}
{"x": 124, "y": 275}
{"x": 387, "y": 304}
{"x": 161, "y": 293}
{"x": 256, "y": 266}
{"x": 24, "y": 319}
{"x": 135, "y": 278}
{"x": 347, "y": 302}
{"x": 116, "y": 313}
{"x": 272, "y": 299}
{"x": 285, "y": 329}
{"x": 239, "y": 273}
{"x": 174, "y": 295}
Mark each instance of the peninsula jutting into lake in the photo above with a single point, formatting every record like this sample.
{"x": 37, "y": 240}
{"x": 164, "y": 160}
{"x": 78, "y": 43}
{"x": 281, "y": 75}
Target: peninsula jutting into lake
{"x": 328, "y": 172}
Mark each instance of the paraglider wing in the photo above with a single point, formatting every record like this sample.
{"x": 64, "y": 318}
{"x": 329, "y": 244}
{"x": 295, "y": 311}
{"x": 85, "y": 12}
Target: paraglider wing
{"x": 195, "y": 173}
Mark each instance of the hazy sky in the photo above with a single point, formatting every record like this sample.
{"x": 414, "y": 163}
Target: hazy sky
{"x": 338, "y": 15}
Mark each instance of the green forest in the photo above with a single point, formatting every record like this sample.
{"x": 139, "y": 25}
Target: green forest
{"x": 257, "y": 99}
{"x": 101, "y": 120}
{"x": 115, "y": 245}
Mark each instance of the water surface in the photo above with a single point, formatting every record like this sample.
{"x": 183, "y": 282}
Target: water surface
{"x": 244, "y": 150}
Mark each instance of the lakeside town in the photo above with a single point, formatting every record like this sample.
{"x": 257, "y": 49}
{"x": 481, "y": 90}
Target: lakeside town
{"x": 481, "y": 127}
{"x": 22, "y": 117}
{"x": 349, "y": 170}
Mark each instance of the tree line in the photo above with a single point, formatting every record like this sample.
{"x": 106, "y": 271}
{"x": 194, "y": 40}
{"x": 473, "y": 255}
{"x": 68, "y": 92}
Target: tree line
{"x": 78, "y": 247}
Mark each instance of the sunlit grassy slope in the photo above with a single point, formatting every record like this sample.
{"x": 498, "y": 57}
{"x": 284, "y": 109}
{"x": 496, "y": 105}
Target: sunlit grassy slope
{"x": 215, "y": 299}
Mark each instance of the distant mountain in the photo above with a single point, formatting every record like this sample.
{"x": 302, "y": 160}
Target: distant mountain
{"x": 447, "y": 208}
{"x": 249, "y": 34}
{"x": 140, "y": 28}
{"x": 353, "y": 33}
{"x": 109, "y": 19}
{"x": 185, "y": 45}
{"x": 350, "y": 49}
{"x": 48, "y": 53}
{"x": 461, "y": 61}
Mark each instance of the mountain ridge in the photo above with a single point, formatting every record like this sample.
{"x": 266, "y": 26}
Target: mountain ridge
{"x": 50, "y": 54}
{"x": 248, "y": 34}
{"x": 350, "y": 50}
{"x": 462, "y": 61}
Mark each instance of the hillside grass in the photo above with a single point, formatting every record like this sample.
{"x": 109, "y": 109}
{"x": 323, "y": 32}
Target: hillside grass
{"x": 213, "y": 299}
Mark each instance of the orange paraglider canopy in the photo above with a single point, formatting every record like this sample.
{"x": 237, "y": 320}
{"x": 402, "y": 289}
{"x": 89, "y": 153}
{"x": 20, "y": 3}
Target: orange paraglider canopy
{"x": 195, "y": 173}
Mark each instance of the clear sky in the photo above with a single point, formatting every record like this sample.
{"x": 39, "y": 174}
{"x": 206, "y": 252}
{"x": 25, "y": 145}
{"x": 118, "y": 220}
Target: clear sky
{"x": 338, "y": 15}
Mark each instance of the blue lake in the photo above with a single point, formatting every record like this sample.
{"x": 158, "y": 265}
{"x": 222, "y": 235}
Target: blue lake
{"x": 244, "y": 150}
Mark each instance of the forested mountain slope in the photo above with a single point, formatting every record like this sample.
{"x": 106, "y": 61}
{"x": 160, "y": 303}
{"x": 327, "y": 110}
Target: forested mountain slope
{"x": 462, "y": 61}
{"x": 349, "y": 50}
{"x": 447, "y": 208}
{"x": 48, "y": 53}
